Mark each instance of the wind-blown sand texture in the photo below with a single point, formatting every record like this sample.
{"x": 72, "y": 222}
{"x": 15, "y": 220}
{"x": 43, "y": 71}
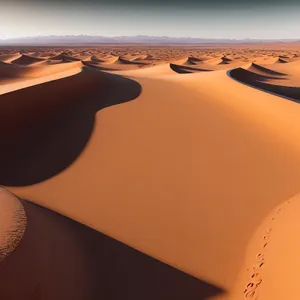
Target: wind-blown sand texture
{"x": 12, "y": 223}
{"x": 173, "y": 158}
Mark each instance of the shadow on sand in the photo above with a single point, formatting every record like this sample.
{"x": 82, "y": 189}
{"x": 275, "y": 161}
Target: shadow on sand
{"x": 186, "y": 69}
{"x": 61, "y": 259}
{"x": 44, "y": 128}
{"x": 257, "y": 81}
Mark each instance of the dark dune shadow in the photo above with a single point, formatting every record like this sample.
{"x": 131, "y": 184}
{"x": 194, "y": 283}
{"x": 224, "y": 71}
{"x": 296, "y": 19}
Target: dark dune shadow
{"x": 186, "y": 69}
{"x": 249, "y": 75}
{"x": 179, "y": 69}
{"x": 27, "y": 60}
{"x": 256, "y": 81}
{"x": 106, "y": 67}
{"x": 61, "y": 259}
{"x": 266, "y": 70}
{"x": 44, "y": 128}
{"x": 12, "y": 71}
{"x": 65, "y": 58}
{"x": 128, "y": 62}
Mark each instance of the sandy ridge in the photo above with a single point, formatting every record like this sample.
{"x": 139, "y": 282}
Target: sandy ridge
{"x": 12, "y": 223}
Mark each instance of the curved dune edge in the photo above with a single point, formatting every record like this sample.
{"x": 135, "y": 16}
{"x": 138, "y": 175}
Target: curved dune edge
{"x": 151, "y": 71}
{"x": 179, "y": 133}
{"x": 27, "y": 60}
{"x": 272, "y": 259}
{"x": 24, "y": 83}
{"x": 12, "y": 72}
{"x": 264, "y": 71}
{"x": 193, "y": 65}
{"x": 265, "y": 83}
{"x": 61, "y": 259}
{"x": 116, "y": 64}
{"x": 8, "y": 58}
{"x": 13, "y": 223}
{"x": 138, "y": 167}
{"x": 53, "y": 122}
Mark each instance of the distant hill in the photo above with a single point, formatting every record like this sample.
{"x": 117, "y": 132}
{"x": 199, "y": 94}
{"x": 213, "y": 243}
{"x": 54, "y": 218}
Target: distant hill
{"x": 139, "y": 39}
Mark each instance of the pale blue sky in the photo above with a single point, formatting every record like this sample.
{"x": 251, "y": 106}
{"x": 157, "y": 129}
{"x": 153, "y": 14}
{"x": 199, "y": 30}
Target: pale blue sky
{"x": 19, "y": 20}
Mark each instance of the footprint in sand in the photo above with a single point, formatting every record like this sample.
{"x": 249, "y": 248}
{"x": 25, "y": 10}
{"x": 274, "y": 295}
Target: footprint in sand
{"x": 252, "y": 294}
{"x": 269, "y": 230}
{"x": 267, "y": 234}
{"x": 260, "y": 256}
{"x": 251, "y": 291}
{"x": 256, "y": 278}
{"x": 258, "y": 264}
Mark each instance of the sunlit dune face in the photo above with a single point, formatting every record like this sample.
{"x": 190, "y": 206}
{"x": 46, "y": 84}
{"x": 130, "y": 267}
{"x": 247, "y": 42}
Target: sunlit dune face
{"x": 177, "y": 152}
{"x": 12, "y": 223}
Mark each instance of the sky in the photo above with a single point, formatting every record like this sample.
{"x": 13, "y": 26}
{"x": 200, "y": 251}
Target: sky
{"x": 234, "y": 19}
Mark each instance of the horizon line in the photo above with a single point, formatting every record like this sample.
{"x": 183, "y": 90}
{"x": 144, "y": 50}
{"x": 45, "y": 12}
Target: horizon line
{"x": 149, "y": 36}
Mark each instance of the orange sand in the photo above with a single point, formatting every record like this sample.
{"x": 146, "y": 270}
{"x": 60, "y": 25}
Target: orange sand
{"x": 182, "y": 167}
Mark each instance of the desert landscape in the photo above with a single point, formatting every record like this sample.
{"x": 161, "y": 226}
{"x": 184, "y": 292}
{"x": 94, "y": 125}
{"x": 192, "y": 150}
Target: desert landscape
{"x": 150, "y": 172}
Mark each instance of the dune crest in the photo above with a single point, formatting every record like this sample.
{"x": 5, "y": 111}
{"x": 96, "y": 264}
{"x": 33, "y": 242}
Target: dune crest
{"x": 180, "y": 158}
{"x": 25, "y": 59}
{"x": 286, "y": 87}
{"x": 271, "y": 252}
{"x": 13, "y": 223}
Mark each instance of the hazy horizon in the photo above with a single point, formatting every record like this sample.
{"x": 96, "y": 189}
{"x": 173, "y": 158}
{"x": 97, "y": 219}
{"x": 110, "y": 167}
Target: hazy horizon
{"x": 231, "y": 19}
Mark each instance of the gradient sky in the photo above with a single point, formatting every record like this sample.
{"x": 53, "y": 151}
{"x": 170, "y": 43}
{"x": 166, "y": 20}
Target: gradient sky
{"x": 185, "y": 18}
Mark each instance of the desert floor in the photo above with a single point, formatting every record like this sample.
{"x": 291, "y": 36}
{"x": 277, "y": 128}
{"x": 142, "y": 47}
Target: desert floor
{"x": 150, "y": 172}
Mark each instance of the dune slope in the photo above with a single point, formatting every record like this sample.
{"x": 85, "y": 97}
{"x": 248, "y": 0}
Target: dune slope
{"x": 59, "y": 258}
{"x": 186, "y": 172}
{"x": 53, "y": 122}
{"x": 177, "y": 177}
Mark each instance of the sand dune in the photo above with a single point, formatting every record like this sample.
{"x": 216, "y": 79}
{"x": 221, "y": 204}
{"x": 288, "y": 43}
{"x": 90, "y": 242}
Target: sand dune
{"x": 264, "y": 71}
{"x": 64, "y": 57}
{"x": 107, "y": 60}
{"x": 278, "y": 85}
{"x": 13, "y": 224}
{"x": 27, "y": 60}
{"x": 53, "y": 106}
{"x": 81, "y": 264}
{"x": 273, "y": 251}
{"x": 191, "y": 61}
{"x": 214, "y": 61}
{"x": 13, "y": 77}
{"x": 11, "y": 70}
{"x": 9, "y": 57}
{"x": 185, "y": 168}
{"x": 145, "y": 57}
{"x": 182, "y": 69}
{"x": 281, "y": 252}
{"x": 205, "y": 67}
{"x": 115, "y": 64}
{"x": 159, "y": 70}
{"x": 8, "y": 70}
{"x": 292, "y": 68}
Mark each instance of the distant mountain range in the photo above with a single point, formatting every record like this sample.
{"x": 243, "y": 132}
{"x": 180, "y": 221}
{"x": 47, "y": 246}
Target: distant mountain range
{"x": 139, "y": 39}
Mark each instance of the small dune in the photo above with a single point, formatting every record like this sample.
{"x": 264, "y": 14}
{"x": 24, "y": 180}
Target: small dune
{"x": 267, "y": 83}
{"x": 27, "y": 60}
{"x": 264, "y": 71}
{"x": 9, "y": 57}
{"x": 172, "y": 164}
{"x": 184, "y": 69}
